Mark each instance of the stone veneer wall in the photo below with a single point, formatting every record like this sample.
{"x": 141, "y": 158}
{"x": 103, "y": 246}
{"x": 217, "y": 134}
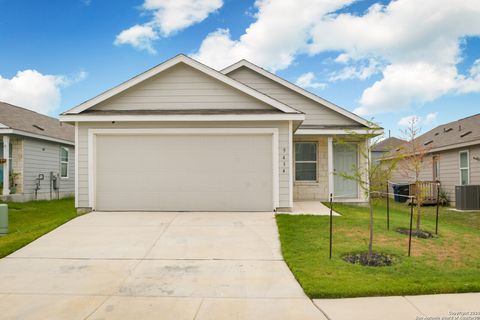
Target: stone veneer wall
{"x": 17, "y": 162}
{"x": 315, "y": 190}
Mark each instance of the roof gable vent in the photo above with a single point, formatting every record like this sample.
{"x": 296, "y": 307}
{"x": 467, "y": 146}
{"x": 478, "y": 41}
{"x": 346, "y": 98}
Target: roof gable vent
{"x": 447, "y": 129}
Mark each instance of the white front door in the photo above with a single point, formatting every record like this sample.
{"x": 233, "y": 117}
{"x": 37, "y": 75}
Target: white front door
{"x": 345, "y": 158}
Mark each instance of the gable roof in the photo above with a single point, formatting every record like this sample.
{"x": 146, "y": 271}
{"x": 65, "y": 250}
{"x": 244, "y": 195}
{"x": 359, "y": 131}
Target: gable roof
{"x": 291, "y": 86}
{"x": 455, "y": 134}
{"x": 181, "y": 58}
{"x": 17, "y": 120}
{"x": 388, "y": 144}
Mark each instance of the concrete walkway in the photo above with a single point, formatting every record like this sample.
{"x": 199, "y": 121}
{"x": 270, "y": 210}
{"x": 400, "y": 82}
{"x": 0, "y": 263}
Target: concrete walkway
{"x": 315, "y": 208}
{"x": 433, "y": 307}
{"x": 154, "y": 266}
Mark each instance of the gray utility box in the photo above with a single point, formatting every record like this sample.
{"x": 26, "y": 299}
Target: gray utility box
{"x": 467, "y": 197}
{"x": 3, "y": 219}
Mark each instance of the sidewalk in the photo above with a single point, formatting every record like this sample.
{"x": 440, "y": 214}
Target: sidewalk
{"x": 441, "y": 306}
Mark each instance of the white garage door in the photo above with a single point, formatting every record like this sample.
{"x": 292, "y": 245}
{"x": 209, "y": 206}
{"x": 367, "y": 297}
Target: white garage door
{"x": 179, "y": 172}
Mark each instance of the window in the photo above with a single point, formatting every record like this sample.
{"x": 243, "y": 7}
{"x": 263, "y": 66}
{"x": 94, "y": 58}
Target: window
{"x": 464, "y": 168}
{"x": 63, "y": 162}
{"x": 436, "y": 168}
{"x": 305, "y": 161}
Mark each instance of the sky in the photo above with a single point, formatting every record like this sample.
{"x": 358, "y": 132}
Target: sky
{"x": 387, "y": 61}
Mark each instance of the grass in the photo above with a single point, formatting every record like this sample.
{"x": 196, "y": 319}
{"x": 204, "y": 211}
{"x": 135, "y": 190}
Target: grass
{"x": 447, "y": 263}
{"x": 30, "y": 220}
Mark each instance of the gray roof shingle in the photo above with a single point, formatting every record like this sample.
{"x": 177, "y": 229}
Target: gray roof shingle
{"x": 449, "y": 136}
{"x": 388, "y": 144}
{"x": 453, "y": 133}
{"x": 22, "y": 119}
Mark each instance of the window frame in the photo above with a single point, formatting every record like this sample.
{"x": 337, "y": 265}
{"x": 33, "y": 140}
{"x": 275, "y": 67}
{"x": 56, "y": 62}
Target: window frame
{"x": 436, "y": 167}
{"x": 64, "y": 162}
{"x": 460, "y": 168}
{"x": 303, "y": 161}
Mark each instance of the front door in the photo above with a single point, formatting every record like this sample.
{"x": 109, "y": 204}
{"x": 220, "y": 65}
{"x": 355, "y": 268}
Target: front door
{"x": 345, "y": 158}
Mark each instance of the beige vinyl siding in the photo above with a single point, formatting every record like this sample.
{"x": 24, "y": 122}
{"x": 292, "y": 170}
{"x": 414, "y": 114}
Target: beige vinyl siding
{"x": 283, "y": 148}
{"x": 43, "y": 157}
{"x": 315, "y": 113}
{"x": 181, "y": 87}
{"x": 449, "y": 175}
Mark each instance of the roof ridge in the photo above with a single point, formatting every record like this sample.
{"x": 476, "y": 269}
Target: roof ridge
{"x": 448, "y": 123}
{"x": 345, "y": 112}
{"x": 169, "y": 63}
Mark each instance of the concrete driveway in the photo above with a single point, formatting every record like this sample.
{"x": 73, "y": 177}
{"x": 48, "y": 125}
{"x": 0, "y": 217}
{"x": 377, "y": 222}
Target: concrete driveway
{"x": 127, "y": 265}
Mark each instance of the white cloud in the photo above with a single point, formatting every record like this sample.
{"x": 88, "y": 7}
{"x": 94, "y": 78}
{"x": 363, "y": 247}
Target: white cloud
{"x": 171, "y": 16}
{"x": 406, "y": 84}
{"x": 419, "y": 42}
{"x": 360, "y": 71}
{"x": 168, "y": 17}
{"x": 415, "y": 46}
{"x": 274, "y": 39}
{"x": 307, "y": 80}
{"x": 139, "y": 37}
{"x": 66, "y": 81}
{"x": 35, "y": 91}
{"x": 429, "y": 119}
{"x": 406, "y": 121}
{"x": 342, "y": 58}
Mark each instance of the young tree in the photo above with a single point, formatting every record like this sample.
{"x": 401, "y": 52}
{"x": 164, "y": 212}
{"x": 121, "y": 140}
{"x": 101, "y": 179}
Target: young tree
{"x": 368, "y": 172}
{"x": 414, "y": 154}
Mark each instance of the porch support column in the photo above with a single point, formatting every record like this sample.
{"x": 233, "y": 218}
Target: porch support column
{"x": 363, "y": 195}
{"x": 6, "y": 165}
{"x": 330, "y": 165}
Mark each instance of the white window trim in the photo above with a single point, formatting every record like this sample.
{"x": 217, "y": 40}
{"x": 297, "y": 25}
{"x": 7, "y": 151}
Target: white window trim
{"x": 67, "y": 162}
{"x": 460, "y": 168}
{"x": 93, "y": 133}
{"x": 316, "y": 162}
{"x": 436, "y": 159}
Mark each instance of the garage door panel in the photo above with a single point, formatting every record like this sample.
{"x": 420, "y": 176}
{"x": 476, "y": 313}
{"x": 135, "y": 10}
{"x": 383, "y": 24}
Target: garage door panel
{"x": 184, "y": 172}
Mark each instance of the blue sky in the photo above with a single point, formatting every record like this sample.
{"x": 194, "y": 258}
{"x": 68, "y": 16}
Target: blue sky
{"x": 386, "y": 61}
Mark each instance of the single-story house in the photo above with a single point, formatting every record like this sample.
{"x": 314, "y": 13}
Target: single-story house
{"x": 382, "y": 149}
{"x": 36, "y": 155}
{"x": 453, "y": 156}
{"x": 185, "y": 137}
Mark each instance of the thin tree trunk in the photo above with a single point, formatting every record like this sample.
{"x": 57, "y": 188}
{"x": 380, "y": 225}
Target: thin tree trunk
{"x": 370, "y": 242}
{"x": 419, "y": 199}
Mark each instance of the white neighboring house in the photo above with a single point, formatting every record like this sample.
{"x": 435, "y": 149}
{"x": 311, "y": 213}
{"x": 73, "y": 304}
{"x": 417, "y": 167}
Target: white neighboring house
{"x": 33, "y": 146}
{"x": 184, "y": 137}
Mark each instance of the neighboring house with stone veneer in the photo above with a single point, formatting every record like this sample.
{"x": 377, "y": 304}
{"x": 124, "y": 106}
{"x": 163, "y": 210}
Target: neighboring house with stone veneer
{"x": 32, "y": 146}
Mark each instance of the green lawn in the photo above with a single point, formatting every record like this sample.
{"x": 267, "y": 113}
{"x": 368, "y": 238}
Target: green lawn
{"x": 447, "y": 263}
{"x": 30, "y": 220}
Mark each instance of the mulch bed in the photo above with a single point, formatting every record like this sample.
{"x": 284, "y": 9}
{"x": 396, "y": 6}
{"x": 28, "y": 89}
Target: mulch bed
{"x": 377, "y": 259}
{"x": 419, "y": 234}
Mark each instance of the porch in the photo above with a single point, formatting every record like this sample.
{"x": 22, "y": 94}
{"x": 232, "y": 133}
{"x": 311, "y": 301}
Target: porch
{"x": 11, "y": 165}
{"x": 317, "y": 159}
